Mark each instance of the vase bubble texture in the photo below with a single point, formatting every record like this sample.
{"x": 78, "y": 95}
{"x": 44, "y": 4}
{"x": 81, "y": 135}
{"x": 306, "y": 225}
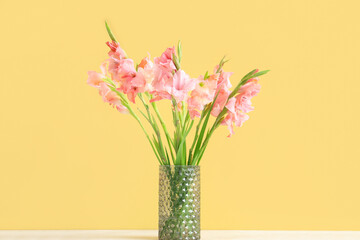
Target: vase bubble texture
{"x": 179, "y": 202}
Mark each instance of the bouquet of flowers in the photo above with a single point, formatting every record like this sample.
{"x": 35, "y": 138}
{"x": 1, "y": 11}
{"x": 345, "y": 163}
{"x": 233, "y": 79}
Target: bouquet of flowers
{"x": 122, "y": 83}
{"x": 194, "y": 101}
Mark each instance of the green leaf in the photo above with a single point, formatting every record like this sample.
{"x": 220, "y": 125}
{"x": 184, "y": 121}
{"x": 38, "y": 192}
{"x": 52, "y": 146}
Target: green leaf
{"x": 176, "y": 62}
{"x": 249, "y": 74}
{"x": 109, "y": 32}
{"x": 206, "y": 76}
{"x": 179, "y": 50}
{"x": 167, "y": 156}
{"x": 179, "y": 153}
{"x": 109, "y": 82}
{"x": 202, "y": 132}
{"x": 258, "y": 74}
{"x": 142, "y": 113}
{"x": 153, "y": 148}
{"x": 245, "y": 79}
{"x": 203, "y": 113}
{"x": 221, "y": 64}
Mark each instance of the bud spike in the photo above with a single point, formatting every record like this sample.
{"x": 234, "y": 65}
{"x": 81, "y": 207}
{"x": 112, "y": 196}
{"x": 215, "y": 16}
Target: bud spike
{"x": 109, "y": 32}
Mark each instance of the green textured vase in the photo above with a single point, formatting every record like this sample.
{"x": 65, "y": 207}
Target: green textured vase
{"x": 179, "y": 202}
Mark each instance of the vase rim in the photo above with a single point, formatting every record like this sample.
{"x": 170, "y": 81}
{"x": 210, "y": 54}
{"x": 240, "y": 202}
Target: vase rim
{"x": 179, "y": 166}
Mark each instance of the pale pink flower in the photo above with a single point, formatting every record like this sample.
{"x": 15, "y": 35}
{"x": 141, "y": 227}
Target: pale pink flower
{"x": 222, "y": 96}
{"x": 111, "y": 97}
{"x": 161, "y": 85}
{"x": 240, "y": 105}
{"x": 165, "y": 61}
{"x": 119, "y": 64}
{"x": 160, "y": 95}
{"x": 238, "y": 118}
{"x": 228, "y": 121}
{"x": 162, "y": 82}
{"x": 146, "y": 68}
{"x": 120, "y": 69}
{"x": 115, "y": 50}
{"x": 223, "y": 79}
{"x": 123, "y": 72}
{"x": 223, "y": 88}
{"x": 202, "y": 95}
{"x": 178, "y": 86}
{"x": 194, "y": 113}
{"x": 132, "y": 84}
{"x": 182, "y": 85}
{"x": 164, "y": 68}
{"x": 230, "y": 105}
{"x": 96, "y": 78}
{"x": 246, "y": 92}
{"x": 235, "y": 112}
{"x": 251, "y": 88}
{"x": 234, "y": 115}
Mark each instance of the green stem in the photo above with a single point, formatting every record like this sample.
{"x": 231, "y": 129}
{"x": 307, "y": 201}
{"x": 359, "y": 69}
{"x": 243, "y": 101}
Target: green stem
{"x": 196, "y": 137}
{"x": 167, "y": 135}
{"x": 152, "y": 121}
{"x": 132, "y": 113}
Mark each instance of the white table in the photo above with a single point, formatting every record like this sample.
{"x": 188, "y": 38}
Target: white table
{"x": 152, "y": 235}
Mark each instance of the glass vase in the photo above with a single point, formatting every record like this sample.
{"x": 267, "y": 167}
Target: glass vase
{"x": 179, "y": 202}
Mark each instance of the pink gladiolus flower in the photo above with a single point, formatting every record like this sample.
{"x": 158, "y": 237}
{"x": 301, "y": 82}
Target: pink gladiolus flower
{"x": 251, "y": 88}
{"x": 202, "y": 95}
{"x": 177, "y": 86}
{"x": 96, "y": 78}
{"x": 240, "y": 105}
{"x": 146, "y": 68}
{"x": 165, "y": 61}
{"x": 230, "y": 105}
{"x": 132, "y": 84}
{"x": 194, "y": 113}
{"x": 238, "y": 117}
{"x": 115, "y": 50}
{"x": 235, "y": 115}
{"x": 224, "y": 78}
{"x": 182, "y": 85}
{"x": 223, "y": 86}
{"x": 120, "y": 69}
{"x": 123, "y": 72}
{"x": 162, "y": 85}
{"x": 228, "y": 121}
{"x": 119, "y": 64}
{"x": 246, "y": 92}
{"x": 111, "y": 97}
{"x": 160, "y": 95}
{"x": 220, "y": 102}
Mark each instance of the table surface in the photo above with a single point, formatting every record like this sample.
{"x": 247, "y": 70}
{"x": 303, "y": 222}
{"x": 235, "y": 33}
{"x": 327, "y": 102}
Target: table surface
{"x": 152, "y": 235}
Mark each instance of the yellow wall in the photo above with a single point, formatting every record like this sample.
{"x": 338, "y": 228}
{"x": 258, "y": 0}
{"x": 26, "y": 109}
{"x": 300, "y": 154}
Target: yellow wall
{"x": 68, "y": 161}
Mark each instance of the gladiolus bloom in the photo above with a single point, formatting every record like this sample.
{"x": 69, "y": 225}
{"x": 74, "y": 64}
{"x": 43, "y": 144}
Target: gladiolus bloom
{"x": 202, "y": 95}
{"x": 111, "y": 97}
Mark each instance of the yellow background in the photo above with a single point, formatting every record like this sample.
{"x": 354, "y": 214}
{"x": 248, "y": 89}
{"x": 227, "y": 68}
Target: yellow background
{"x": 69, "y": 161}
